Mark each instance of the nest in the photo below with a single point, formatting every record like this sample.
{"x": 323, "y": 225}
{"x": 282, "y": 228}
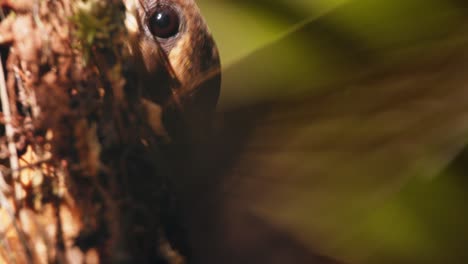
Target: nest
{"x": 83, "y": 178}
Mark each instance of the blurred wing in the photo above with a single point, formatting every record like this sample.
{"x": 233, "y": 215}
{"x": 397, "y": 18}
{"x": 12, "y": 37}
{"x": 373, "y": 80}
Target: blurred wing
{"x": 310, "y": 142}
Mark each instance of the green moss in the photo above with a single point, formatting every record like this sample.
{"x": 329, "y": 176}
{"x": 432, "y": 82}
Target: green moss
{"x": 98, "y": 24}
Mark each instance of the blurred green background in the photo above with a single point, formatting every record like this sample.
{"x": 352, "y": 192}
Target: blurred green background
{"x": 243, "y": 26}
{"x": 426, "y": 221}
{"x": 320, "y": 42}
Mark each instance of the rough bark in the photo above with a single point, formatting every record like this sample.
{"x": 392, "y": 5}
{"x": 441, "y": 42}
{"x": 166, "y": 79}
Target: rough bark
{"x": 83, "y": 177}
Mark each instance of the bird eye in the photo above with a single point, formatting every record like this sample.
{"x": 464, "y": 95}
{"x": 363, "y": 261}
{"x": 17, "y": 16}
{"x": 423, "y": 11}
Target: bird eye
{"x": 164, "y": 22}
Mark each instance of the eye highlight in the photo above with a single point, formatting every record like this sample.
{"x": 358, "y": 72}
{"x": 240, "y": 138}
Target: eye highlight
{"x": 164, "y": 22}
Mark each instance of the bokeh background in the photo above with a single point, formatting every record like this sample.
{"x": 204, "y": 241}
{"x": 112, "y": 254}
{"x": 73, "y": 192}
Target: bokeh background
{"x": 426, "y": 221}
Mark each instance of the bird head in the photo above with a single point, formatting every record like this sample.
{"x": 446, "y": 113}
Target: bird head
{"x": 177, "y": 60}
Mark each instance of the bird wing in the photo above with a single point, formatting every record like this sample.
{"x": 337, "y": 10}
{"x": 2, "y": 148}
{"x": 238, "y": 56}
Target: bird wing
{"x": 309, "y": 142}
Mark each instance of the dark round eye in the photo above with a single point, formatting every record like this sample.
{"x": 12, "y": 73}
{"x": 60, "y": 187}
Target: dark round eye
{"x": 165, "y": 22}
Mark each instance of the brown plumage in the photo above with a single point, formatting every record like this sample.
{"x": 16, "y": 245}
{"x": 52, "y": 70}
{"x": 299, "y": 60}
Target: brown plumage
{"x": 190, "y": 57}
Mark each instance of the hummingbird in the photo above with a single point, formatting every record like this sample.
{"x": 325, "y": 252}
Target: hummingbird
{"x": 261, "y": 178}
{"x": 272, "y": 174}
{"x": 293, "y": 159}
